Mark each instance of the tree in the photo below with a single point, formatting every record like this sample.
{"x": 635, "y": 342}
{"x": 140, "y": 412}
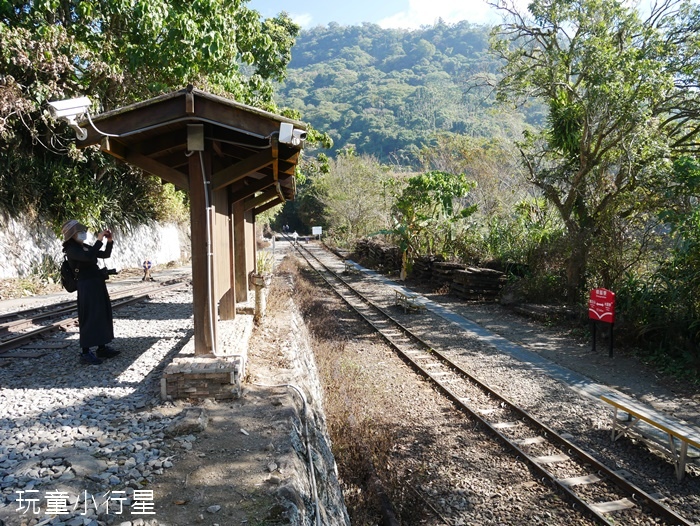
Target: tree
{"x": 493, "y": 164}
{"x": 428, "y": 212}
{"x": 354, "y": 192}
{"x": 622, "y": 102}
{"x": 386, "y": 92}
{"x": 116, "y": 53}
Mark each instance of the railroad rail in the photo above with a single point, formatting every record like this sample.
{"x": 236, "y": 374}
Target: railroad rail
{"x": 592, "y": 487}
{"x": 20, "y": 327}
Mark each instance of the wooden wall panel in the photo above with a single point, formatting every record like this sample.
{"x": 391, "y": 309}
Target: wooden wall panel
{"x": 239, "y": 252}
{"x": 223, "y": 249}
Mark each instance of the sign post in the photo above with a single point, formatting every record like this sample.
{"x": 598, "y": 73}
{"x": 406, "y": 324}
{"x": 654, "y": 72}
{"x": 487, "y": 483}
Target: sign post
{"x": 317, "y": 231}
{"x": 601, "y": 309}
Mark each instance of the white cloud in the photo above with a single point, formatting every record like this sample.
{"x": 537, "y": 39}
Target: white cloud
{"x": 303, "y": 19}
{"x": 427, "y": 12}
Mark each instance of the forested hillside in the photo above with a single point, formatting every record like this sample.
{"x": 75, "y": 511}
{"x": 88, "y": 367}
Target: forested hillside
{"x": 601, "y": 190}
{"x": 386, "y": 92}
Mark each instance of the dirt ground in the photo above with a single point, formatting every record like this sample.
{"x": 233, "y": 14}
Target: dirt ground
{"x": 231, "y": 473}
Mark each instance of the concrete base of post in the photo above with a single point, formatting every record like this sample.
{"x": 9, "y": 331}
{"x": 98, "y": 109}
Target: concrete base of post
{"x": 260, "y": 284}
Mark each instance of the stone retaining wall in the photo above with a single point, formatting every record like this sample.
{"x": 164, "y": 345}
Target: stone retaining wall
{"x": 25, "y": 245}
{"x": 303, "y": 375}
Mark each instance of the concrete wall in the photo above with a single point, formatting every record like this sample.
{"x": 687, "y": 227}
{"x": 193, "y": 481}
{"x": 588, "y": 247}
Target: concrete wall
{"x": 25, "y": 243}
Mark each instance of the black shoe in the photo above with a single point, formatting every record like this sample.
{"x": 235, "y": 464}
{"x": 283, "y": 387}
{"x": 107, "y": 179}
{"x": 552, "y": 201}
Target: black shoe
{"x": 106, "y": 352}
{"x": 89, "y": 358}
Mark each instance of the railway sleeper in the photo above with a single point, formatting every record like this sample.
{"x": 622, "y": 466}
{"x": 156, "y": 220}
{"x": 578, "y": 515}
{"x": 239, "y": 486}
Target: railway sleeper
{"x": 578, "y": 481}
{"x": 612, "y": 506}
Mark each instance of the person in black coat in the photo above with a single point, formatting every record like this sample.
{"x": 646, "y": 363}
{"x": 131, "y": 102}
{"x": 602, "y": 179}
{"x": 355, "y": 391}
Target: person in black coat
{"x": 94, "y": 306}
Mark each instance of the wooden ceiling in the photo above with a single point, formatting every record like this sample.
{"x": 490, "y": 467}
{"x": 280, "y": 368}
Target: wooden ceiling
{"x": 242, "y": 144}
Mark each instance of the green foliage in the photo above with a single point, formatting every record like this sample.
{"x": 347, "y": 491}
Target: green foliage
{"x": 662, "y": 306}
{"x": 349, "y": 195}
{"x": 522, "y": 236}
{"x": 565, "y": 125}
{"x": 616, "y": 87}
{"x": 264, "y": 262}
{"x": 663, "y": 317}
{"x": 430, "y": 213}
{"x": 117, "y": 53}
{"x": 173, "y": 205}
{"x": 306, "y": 210}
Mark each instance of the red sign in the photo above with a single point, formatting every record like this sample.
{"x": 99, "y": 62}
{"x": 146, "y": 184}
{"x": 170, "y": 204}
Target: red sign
{"x": 601, "y": 305}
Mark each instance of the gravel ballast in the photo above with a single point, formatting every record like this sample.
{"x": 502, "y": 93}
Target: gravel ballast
{"x": 102, "y": 435}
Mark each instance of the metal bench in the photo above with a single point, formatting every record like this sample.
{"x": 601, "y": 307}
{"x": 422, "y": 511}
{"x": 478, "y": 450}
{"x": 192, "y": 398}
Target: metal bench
{"x": 667, "y": 436}
{"x": 409, "y": 301}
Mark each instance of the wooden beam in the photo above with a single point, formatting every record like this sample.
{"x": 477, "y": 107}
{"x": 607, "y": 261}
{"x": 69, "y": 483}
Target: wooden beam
{"x": 259, "y": 210}
{"x": 238, "y": 171}
{"x": 175, "y": 160}
{"x": 275, "y": 147}
{"x": 237, "y": 142}
{"x": 263, "y": 198}
{"x": 163, "y": 144}
{"x": 241, "y": 191}
{"x": 140, "y": 116}
{"x": 147, "y": 164}
{"x": 189, "y": 101}
{"x": 161, "y": 170}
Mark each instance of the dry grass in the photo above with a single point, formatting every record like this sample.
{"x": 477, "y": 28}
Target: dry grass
{"x": 361, "y": 424}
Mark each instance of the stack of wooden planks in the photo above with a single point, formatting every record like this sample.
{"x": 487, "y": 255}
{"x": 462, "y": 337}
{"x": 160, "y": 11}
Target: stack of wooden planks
{"x": 423, "y": 267}
{"x": 443, "y": 273}
{"x": 477, "y": 284}
{"x": 379, "y": 255}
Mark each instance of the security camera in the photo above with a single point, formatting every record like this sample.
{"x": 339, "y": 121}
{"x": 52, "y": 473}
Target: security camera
{"x": 70, "y": 110}
{"x": 291, "y": 135}
{"x": 286, "y": 130}
{"x": 298, "y": 136}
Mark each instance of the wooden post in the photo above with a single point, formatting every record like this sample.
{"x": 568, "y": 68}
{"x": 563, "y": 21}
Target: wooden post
{"x": 251, "y": 242}
{"x": 200, "y": 281}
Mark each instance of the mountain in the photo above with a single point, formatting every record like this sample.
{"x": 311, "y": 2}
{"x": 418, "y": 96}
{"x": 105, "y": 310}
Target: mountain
{"x": 387, "y": 92}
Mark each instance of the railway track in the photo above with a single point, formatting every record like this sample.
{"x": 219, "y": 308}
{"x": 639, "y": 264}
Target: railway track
{"x": 21, "y": 327}
{"x": 590, "y": 486}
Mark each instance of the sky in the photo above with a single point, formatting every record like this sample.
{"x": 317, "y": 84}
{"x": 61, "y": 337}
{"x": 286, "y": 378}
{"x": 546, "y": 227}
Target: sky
{"x": 407, "y": 14}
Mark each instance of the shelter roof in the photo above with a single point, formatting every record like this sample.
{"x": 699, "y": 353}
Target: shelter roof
{"x": 246, "y": 155}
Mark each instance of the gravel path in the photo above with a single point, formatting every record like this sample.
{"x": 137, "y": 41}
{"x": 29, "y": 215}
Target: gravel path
{"x": 82, "y": 431}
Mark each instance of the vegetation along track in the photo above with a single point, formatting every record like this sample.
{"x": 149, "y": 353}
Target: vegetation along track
{"x": 594, "y": 489}
{"x": 18, "y": 328}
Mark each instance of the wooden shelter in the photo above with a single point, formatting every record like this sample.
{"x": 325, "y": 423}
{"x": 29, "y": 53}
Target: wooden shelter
{"x": 235, "y": 161}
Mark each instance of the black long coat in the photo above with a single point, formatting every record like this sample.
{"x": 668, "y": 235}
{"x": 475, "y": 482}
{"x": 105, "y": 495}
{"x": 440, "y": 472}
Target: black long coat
{"x": 94, "y": 306}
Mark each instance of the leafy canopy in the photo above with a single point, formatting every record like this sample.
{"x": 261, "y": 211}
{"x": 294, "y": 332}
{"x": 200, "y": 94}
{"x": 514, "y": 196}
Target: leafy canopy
{"x": 117, "y": 52}
{"x": 388, "y": 92}
{"x": 620, "y": 105}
